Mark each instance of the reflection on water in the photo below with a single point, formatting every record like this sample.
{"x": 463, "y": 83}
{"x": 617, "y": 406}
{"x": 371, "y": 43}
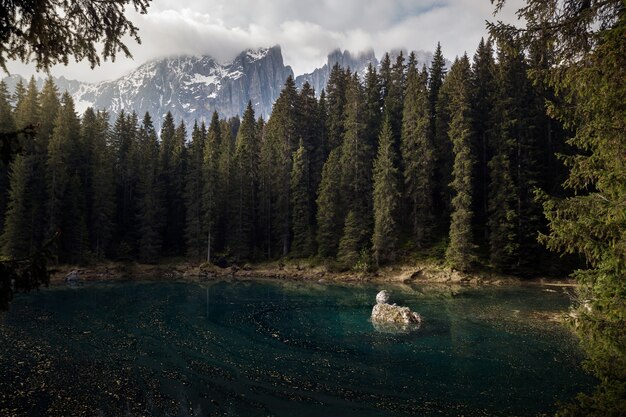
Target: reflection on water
{"x": 259, "y": 348}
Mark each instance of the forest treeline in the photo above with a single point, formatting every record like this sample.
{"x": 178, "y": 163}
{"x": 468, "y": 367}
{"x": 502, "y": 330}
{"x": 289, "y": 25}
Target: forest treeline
{"x": 382, "y": 166}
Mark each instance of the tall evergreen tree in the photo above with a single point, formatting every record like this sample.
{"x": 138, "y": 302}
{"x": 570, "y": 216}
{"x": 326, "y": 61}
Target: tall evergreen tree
{"x": 102, "y": 211}
{"x": 303, "y": 231}
{"x": 195, "y": 238}
{"x": 461, "y": 250}
{"x": 393, "y": 102}
{"x": 335, "y": 103}
{"x": 330, "y": 214}
{"x": 123, "y": 137}
{"x": 282, "y": 135}
{"x": 373, "y": 106}
{"x": 150, "y": 205}
{"x": 435, "y": 81}
{"x": 418, "y": 155}
{"x": 514, "y": 216}
{"x": 66, "y": 204}
{"x": 212, "y": 187}
{"x": 245, "y": 175}
{"x": 483, "y": 97}
{"x": 22, "y": 228}
{"x": 386, "y": 198}
{"x": 7, "y": 124}
{"x": 356, "y": 173}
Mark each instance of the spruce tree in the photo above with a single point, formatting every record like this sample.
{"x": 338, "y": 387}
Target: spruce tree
{"x": 102, "y": 185}
{"x": 514, "y": 216}
{"x": 393, "y": 102}
{"x": 212, "y": 188}
{"x": 194, "y": 184}
{"x": 483, "y": 98}
{"x": 282, "y": 135}
{"x": 356, "y": 173}
{"x": 124, "y": 136}
{"x": 150, "y": 205}
{"x": 330, "y": 214}
{"x": 226, "y": 172}
{"x": 22, "y": 223}
{"x": 335, "y": 103}
{"x": 351, "y": 243}
{"x": 245, "y": 175}
{"x": 418, "y": 156}
{"x": 373, "y": 106}
{"x": 386, "y": 198}
{"x": 461, "y": 249}
{"x": 7, "y": 124}
{"x": 66, "y": 204}
{"x": 588, "y": 42}
{"x": 435, "y": 81}
{"x": 303, "y": 232}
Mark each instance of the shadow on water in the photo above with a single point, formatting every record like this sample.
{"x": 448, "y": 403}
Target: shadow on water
{"x": 265, "y": 348}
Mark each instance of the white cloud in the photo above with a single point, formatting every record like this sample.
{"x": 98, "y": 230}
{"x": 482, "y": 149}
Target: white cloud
{"x": 306, "y": 29}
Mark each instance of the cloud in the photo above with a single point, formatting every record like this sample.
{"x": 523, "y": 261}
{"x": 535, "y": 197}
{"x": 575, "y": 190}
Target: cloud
{"x": 306, "y": 29}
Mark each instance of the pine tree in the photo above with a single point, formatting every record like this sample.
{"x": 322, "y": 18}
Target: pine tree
{"x": 335, "y": 103}
{"x": 282, "y": 135}
{"x": 588, "y": 42}
{"x": 150, "y": 205}
{"x": 435, "y": 82}
{"x": 102, "y": 185}
{"x": 124, "y": 136}
{"x": 66, "y": 205}
{"x": 49, "y": 100}
{"x": 483, "y": 98}
{"x": 303, "y": 232}
{"x": 356, "y": 173}
{"x": 22, "y": 223}
{"x": 373, "y": 106}
{"x": 330, "y": 213}
{"x": 245, "y": 185}
{"x": 460, "y": 253}
{"x": 514, "y": 216}
{"x": 211, "y": 186}
{"x": 418, "y": 156}
{"x": 386, "y": 198}
{"x": 226, "y": 172}
{"x": 444, "y": 158}
{"x": 393, "y": 101}
{"x": 7, "y": 124}
{"x": 195, "y": 238}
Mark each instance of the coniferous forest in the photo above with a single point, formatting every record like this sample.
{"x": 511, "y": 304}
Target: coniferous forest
{"x": 382, "y": 167}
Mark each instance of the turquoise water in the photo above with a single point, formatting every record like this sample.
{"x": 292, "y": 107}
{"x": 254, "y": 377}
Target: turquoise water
{"x": 263, "y": 348}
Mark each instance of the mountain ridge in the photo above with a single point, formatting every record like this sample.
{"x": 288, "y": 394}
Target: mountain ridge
{"x": 191, "y": 87}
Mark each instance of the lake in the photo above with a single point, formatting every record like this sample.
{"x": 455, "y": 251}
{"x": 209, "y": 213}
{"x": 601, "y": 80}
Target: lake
{"x": 259, "y": 348}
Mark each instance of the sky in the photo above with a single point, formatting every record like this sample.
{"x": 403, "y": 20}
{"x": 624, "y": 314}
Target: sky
{"x": 306, "y": 30}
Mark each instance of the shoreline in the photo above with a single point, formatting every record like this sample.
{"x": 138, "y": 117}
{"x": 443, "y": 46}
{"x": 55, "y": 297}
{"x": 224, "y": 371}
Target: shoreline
{"x": 418, "y": 273}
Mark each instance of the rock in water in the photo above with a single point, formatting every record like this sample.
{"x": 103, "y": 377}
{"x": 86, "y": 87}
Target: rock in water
{"x": 391, "y": 318}
{"x": 382, "y": 297}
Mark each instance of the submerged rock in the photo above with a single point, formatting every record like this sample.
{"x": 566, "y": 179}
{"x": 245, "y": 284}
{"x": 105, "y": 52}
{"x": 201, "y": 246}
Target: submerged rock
{"x": 73, "y": 276}
{"x": 391, "y": 317}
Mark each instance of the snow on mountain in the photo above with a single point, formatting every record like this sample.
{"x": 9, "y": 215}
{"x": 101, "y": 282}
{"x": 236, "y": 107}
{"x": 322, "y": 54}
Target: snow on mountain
{"x": 192, "y": 87}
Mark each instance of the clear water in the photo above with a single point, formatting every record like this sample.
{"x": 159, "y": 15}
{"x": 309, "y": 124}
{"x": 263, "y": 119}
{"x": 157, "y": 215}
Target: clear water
{"x": 263, "y": 348}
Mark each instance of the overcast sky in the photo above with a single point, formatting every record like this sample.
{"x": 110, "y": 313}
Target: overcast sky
{"x": 306, "y": 30}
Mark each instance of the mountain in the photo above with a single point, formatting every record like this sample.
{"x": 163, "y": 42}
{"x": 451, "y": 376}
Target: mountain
{"x": 191, "y": 87}
{"x": 319, "y": 77}
{"x": 356, "y": 62}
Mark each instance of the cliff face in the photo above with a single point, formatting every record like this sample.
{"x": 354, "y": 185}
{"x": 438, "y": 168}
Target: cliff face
{"x": 357, "y": 63}
{"x": 191, "y": 87}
